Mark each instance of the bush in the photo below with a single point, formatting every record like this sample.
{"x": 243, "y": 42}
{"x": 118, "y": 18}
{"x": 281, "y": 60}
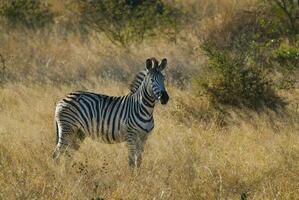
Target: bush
{"x": 233, "y": 80}
{"x": 253, "y": 55}
{"x": 28, "y": 13}
{"x": 288, "y": 57}
{"x": 125, "y": 21}
{"x": 287, "y": 11}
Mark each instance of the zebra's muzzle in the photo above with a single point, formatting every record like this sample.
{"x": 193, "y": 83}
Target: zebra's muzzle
{"x": 164, "y": 98}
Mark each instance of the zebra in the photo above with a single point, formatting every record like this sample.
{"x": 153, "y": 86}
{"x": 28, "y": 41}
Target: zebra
{"x": 111, "y": 119}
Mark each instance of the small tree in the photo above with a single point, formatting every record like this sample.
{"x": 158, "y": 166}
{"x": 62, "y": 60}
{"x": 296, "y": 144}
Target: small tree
{"x": 125, "y": 21}
{"x": 234, "y": 81}
{"x": 29, "y": 13}
{"x": 289, "y": 9}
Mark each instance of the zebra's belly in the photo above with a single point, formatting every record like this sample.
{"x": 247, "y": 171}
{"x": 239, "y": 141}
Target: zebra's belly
{"x": 107, "y": 133}
{"x": 107, "y": 138}
{"x": 110, "y": 134}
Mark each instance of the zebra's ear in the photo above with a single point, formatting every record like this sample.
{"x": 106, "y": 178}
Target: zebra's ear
{"x": 162, "y": 64}
{"x": 148, "y": 64}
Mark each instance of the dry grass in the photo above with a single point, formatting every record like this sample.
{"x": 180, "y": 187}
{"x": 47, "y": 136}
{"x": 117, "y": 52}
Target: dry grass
{"x": 256, "y": 155}
{"x": 181, "y": 161}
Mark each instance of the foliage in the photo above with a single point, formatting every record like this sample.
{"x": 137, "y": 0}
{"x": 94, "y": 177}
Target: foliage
{"x": 2, "y": 75}
{"x": 287, "y": 11}
{"x": 286, "y": 60}
{"x": 124, "y": 21}
{"x": 28, "y": 13}
{"x": 251, "y": 56}
{"x": 288, "y": 57}
{"x": 234, "y": 81}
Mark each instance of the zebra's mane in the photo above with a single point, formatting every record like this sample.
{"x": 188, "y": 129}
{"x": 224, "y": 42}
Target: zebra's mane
{"x": 137, "y": 81}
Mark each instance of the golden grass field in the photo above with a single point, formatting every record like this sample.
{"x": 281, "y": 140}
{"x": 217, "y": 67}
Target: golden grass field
{"x": 183, "y": 159}
{"x": 194, "y": 152}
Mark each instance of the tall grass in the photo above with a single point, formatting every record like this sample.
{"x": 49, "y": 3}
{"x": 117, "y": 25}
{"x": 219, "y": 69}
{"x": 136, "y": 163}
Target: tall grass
{"x": 196, "y": 151}
{"x": 257, "y": 157}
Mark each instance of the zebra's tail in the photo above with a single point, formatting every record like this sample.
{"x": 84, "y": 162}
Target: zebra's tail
{"x": 56, "y": 151}
{"x": 57, "y": 134}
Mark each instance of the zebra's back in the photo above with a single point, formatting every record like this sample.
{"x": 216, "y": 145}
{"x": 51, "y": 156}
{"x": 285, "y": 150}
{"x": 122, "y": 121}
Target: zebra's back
{"x": 95, "y": 115}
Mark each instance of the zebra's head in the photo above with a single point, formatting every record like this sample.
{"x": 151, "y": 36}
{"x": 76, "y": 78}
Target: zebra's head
{"x": 156, "y": 78}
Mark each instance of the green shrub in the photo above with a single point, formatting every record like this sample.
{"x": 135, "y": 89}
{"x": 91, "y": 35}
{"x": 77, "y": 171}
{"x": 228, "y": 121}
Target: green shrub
{"x": 125, "y": 21}
{"x": 288, "y": 57}
{"x": 232, "y": 80}
{"x": 28, "y": 13}
{"x": 287, "y": 11}
{"x": 286, "y": 61}
{"x": 253, "y": 55}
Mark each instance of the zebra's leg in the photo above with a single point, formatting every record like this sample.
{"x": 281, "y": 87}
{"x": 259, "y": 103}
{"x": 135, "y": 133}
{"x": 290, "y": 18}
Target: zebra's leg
{"x": 131, "y": 142}
{"x": 135, "y": 150}
{"x": 141, "y": 140}
{"x": 131, "y": 155}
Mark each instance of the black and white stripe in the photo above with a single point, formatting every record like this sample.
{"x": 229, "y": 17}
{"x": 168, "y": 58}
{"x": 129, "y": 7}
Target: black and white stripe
{"x": 137, "y": 81}
{"x": 112, "y": 119}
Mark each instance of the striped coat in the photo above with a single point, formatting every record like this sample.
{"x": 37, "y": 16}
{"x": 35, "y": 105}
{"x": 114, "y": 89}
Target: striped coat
{"x": 112, "y": 119}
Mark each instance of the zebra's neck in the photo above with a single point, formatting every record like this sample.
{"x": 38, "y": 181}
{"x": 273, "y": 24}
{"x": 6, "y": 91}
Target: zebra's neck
{"x": 146, "y": 100}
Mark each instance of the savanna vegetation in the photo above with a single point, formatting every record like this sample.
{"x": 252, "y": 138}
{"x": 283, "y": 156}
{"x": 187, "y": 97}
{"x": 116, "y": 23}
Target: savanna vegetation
{"x": 229, "y": 131}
